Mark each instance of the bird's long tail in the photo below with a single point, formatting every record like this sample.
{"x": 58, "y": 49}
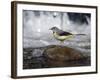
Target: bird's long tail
{"x": 79, "y": 34}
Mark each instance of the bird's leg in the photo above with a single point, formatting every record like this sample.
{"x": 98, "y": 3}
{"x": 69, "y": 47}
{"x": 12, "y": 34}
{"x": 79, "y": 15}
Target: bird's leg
{"x": 61, "y": 43}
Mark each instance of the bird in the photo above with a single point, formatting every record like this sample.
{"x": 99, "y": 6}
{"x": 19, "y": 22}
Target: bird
{"x": 62, "y": 35}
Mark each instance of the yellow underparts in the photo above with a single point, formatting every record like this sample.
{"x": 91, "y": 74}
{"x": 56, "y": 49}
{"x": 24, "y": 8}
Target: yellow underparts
{"x": 62, "y": 38}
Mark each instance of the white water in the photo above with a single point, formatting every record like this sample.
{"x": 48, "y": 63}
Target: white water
{"x": 37, "y": 34}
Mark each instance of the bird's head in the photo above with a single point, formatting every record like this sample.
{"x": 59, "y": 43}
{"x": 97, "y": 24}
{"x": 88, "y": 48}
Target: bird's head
{"x": 54, "y": 28}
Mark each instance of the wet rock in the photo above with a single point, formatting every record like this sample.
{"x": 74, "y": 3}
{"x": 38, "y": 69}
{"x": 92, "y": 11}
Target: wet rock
{"x": 37, "y": 52}
{"x": 62, "y": 53}
{"x": 54, "y": 56}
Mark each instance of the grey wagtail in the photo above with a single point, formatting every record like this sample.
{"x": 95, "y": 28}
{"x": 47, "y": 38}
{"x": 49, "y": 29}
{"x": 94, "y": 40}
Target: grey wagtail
{"x": 62, "y": 35}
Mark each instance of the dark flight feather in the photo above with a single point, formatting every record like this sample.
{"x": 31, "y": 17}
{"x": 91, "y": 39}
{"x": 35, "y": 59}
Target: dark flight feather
{"x": 63, "y": 33}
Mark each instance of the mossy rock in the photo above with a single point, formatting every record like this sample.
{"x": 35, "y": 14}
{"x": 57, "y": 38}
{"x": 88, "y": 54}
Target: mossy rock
{"x": 62, "y": 53}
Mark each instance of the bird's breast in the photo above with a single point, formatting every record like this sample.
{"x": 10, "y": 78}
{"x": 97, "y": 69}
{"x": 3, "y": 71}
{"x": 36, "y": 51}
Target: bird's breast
{"x": 61, "y": 38}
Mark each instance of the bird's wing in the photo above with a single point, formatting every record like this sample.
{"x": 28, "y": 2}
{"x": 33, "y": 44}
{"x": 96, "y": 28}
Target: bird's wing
{"x": 63, "y": 33}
